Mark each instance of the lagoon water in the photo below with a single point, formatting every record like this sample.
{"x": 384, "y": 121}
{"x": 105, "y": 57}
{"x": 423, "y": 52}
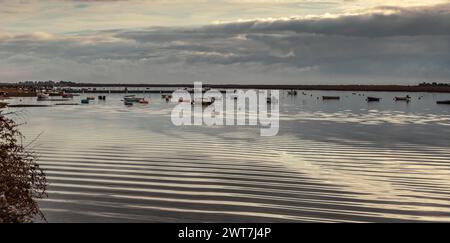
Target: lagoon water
{"x": 332, "y": 161}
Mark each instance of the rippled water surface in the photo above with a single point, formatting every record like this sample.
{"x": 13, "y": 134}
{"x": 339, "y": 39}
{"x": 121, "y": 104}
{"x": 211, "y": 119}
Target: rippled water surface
{"x": 333, "y": 161}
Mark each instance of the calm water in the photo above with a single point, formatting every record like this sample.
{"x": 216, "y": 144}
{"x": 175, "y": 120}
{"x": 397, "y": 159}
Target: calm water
{"x": 333, "y": 161}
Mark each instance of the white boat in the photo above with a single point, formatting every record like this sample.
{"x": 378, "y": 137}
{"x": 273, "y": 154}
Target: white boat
{"x": 43, "y": 97}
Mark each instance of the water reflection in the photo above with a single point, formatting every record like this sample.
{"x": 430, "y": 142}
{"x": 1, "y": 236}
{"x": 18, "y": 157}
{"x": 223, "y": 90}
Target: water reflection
{"x": 332, "y": 161}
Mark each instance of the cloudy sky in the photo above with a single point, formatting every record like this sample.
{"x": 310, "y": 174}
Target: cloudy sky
{"x": 226, "y": 41}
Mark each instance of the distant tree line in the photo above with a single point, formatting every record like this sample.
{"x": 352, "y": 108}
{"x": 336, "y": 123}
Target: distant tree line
{"x": 434, "y": 84}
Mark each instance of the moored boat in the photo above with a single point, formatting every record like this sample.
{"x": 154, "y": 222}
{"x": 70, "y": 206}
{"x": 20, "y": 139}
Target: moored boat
{"x": 373, "y": 99}
{"x": 331, "y": 97}
{"x": 443, "y": 102}
{"x": 67, "y": 96}
{"x": 85, "y": 101}
{"x": 208, "y": 102}
{"x": 143, "y": 101}
{"x": 131, "y": 98}
{"x": 42, "y": 97}
{"x": 27, "y": 106}
{"x": 55, "y": 93}
{"x": 292, "y": 92}
{"x": 406, "y": 98}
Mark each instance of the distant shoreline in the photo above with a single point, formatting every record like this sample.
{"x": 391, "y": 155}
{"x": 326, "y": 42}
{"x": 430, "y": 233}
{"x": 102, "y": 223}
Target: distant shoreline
{"x": 355, "y": 88}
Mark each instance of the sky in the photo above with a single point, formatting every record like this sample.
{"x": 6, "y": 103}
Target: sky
{"x": 226, "y": 41}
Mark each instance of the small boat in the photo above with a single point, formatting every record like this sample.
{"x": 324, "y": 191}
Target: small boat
{"x": 55, "y": 94}
{"x": 131, "y": 98}
{"x": 406, "y": 98}
{"x": 27, "y": 106}
{"x": 128, "y": 103}
{"x": 43, "y": 97}
{"x": 85, "y": 101}
{"x": 90, "y": 98}
{"x": 66, "y": 104}
{"x": 331, "y": 97}
{"x": 58, "y": 100}
{"x": 373, "y": 99}
{"x": 67, "y": 96}
{"x": 292, "y": 92}
{"x": 143, "y": 101}
{"x": 443, "y": 102}
{"x": 208, "y": 102}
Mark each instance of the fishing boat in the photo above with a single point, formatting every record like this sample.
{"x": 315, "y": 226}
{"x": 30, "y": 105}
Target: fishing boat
{"x": 406, "y": 98}
{"x": 443, "y": 102}
{"x": 331, "y": 97}
{"x": 373, "y": 99}
{"x": 43, "y": 97}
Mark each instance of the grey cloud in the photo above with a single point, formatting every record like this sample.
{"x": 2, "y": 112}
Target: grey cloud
{"x": 433, "y": 20}
{"x": 409, "y": 46}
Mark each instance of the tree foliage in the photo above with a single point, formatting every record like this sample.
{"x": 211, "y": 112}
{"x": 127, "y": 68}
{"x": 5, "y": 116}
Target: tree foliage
{"x": 22, "y": 181}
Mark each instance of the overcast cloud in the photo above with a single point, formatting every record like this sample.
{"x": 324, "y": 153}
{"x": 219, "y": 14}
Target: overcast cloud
{"x": 372, "y": 45}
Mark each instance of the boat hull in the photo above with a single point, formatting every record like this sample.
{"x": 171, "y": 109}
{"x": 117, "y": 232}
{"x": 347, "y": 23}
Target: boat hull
{"x": 443, "y": 102}
{"x": 373, "y": 99}
{"x": 331, "y": 97}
